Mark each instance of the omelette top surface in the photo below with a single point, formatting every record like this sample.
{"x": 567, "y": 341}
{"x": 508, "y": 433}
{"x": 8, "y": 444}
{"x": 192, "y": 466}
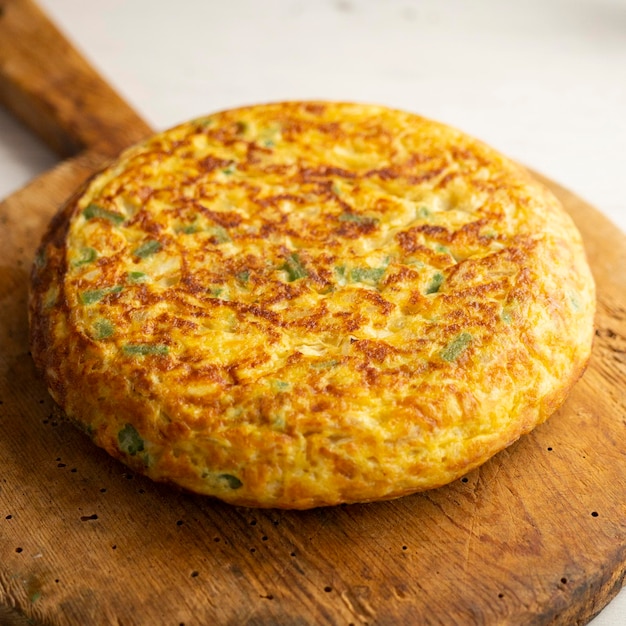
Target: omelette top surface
{"x": 307, "y": 303}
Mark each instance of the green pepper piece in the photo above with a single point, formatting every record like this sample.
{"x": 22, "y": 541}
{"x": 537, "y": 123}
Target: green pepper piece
{"x": 233, "y": 481}
{"x": 221, "y": 234}
{"x": 294, "y": 268}
{"x": 244, "y": 277}
{"x": 367, "y": 274}
{"x": 147, "y": 248}
{"x": 95, "y": 295}
{"x": 435, "y": 283}
{"x": 322, "y": 365}
{"x": 86, "y": 255}
{"x": 347, "y": 216}
{"x": 96, "y": 211}
{"x": 103, "y": 329}
{"x": 456, "y": 347}
{"x": 129, "y": 440}
{"x": 137, "y": 277}
{"x": 145, "y": 349}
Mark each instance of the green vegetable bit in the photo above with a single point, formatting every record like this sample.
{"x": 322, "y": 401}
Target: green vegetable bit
{"x": 244, "y": 277}
{"x": 573, "y": 300}
{"x": 233, "y": 481}
{"x": 95, "y": 295}
{"x": 94, "y": 211}
{"x": 221, "y": 234}
{"x": 294, "y": 268}
{"x": 279, "y": 423}
{"x": 103, "y": 328}
{"x": 347, "y": 216}
{"x": 507, "y": 315}
{"x": 370, "y": 275}
{"x": 129, "y": 440}
{"x": 322, "y": 365}
{"x": 145, "y": 349}
{"x": 189, "y": 228}
{"x": 137, "y": 277}
{"x": 147, "y": 248}
{"x": 435, "y": 283}
{"x": 86, "y": 255}
{"x": 423, "y": 213}
{"x": 456, "y": 347}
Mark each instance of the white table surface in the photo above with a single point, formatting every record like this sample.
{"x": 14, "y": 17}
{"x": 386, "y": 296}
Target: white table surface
{"x": 544, "y": 81}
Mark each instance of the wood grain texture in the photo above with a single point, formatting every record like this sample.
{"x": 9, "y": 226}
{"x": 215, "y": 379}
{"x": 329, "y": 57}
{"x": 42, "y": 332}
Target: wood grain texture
{"x": 535, "y": 536}
{"x": 46, "y": 82}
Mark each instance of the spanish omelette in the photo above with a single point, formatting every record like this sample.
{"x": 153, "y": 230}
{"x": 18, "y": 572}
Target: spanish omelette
{"x": 310, "y": 303}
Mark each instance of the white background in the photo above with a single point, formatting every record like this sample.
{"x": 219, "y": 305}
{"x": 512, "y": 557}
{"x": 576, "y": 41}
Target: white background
{"x": 544, "y": 81}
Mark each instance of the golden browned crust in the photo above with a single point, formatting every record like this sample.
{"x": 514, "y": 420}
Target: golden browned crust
{"x": 302, "y": 304}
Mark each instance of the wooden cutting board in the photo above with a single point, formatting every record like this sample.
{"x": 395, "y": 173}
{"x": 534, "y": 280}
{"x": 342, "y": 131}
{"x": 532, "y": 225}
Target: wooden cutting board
{"x": 535, "y": 536}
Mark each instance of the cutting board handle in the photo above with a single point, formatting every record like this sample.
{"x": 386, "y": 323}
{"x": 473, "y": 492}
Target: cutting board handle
{"x": 47, "y": 84}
